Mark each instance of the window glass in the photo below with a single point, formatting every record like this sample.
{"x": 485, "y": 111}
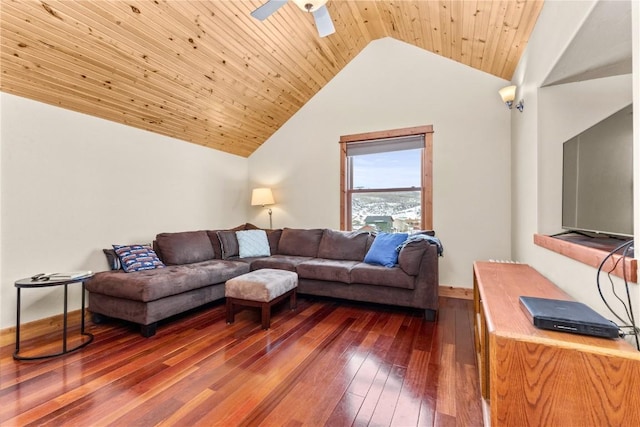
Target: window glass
{"x": 395, "y": 169}
{"x": 393, "y": 211}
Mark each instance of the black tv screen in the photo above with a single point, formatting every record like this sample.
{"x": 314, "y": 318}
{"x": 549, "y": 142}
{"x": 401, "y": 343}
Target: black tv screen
{"x": 597, "y": 177}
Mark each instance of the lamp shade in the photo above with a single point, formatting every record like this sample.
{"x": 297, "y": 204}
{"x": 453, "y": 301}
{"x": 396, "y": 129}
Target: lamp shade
{"x": 508, "y": 94}
{"x": 261, "y": 197}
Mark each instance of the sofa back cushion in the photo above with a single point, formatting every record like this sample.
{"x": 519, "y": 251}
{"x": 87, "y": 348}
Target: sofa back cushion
{"x": 185, "y": 247}
{"x": 300, "y": 242}
{"x": 343, "y": 245}
{"x": 274, "y": 239}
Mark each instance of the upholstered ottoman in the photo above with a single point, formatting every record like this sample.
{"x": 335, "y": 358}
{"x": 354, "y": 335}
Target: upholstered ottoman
{"x": 261, "y": 288}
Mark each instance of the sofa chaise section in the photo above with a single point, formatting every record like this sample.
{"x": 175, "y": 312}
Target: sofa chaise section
{"x": 190, "y": 279}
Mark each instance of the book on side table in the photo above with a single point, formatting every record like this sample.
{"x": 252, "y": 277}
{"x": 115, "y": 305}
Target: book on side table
{"x": 68, "y": 275}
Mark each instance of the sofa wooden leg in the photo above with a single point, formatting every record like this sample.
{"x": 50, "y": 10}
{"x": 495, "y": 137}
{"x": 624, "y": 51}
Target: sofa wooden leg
{"x": 148, "y": 330}
{"x": 430, "y": 315}
{"x": 230, "y": 313}
{"x": 266, "y": 315}
{"x": 292, "y": 301}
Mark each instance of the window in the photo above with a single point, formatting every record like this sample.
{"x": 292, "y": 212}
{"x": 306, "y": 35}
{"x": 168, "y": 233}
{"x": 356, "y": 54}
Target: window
{"x": 385, "y": 180}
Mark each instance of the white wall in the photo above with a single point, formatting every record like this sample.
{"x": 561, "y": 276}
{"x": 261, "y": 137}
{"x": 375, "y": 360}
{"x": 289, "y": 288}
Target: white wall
{"x": 73, "y": 184}
{"x": 552, "y": 115}
{"x": 635, "y": 18}
{"x": 392, "y": 85}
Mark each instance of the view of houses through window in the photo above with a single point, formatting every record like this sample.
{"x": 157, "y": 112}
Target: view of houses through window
{"x": 383, "y": 185}
{"x": 385, "y": 194}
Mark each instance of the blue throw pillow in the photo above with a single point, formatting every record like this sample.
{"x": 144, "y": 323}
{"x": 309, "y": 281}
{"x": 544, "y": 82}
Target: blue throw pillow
{"x": 383, "y": 250}
{"x": 137, "y": 257}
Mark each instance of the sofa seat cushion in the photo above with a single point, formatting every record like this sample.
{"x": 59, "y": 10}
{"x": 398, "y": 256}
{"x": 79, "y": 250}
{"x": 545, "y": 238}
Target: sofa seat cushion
{"x": 326, "y": 269}
{"x": 150, "y": 285}
{"x": 394, "y": 277}
{"x": 280, "y": 262}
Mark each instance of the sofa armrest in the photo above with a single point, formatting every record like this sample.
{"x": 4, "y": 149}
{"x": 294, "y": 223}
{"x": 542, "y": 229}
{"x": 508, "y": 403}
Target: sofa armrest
{"x": 427, "y": 281}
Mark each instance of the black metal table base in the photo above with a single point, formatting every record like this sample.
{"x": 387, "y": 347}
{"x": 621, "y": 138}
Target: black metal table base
{"x": 47, "y": 356}
{"x": 65, "y": 350}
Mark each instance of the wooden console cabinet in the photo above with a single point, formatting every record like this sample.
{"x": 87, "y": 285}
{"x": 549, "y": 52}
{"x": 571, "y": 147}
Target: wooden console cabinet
{"x": 534, "y": 377}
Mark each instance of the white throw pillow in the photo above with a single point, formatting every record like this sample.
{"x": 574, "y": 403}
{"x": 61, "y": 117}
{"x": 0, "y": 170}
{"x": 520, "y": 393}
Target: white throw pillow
{"x": 253, "y": 243}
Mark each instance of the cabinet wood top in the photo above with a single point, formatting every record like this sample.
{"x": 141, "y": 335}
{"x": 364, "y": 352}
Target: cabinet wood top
{"x": 501, "y": 284}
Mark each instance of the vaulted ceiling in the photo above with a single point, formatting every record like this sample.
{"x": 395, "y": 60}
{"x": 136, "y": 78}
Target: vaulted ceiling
{"x": 208, "y": 73}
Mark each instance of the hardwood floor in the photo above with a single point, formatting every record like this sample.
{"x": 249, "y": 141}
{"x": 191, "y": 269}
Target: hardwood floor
{"x": 331, "y": 363}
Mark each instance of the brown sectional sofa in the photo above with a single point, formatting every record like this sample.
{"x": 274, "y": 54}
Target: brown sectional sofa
{"x": 328, "y": 263}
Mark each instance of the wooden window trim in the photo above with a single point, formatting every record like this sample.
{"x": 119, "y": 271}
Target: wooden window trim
{"x": 427, "y": 170}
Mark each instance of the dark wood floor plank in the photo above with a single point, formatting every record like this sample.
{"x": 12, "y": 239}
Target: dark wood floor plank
{"x": 386, "y": 406}
{"x": 345, "y": 411}
{"x": 313, "y": 380}
{"x": 330, "y": 379}
{"x": 446, "y": 403}
{"x": 272, "y": 370}
{"x": 465, "y": 352}
{"x": 330, "y": 362}
{"x": 467, "y": 390}
{"x": 319, "y": 387}
{"x": 373, "y": 395}
{"x": 407, "y": 411}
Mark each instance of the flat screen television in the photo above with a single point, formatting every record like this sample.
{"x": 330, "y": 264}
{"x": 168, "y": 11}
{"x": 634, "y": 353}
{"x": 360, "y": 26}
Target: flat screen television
{"x": 597, "y": 177}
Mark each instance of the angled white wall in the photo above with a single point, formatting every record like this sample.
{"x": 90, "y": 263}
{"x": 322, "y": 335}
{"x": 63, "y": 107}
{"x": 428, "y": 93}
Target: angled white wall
{"x": 392, "y": 85}
{"x": 552, "y": 115}
{"x": 73, "y": 184}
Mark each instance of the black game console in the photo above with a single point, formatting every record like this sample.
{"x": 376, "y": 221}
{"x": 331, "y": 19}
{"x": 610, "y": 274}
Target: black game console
{"x": 567, "y": 316}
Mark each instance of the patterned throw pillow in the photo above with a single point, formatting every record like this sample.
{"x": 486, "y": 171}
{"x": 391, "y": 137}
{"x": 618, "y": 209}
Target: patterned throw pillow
{"x": 253, "y": 243}
{"x": 137, "y": 257}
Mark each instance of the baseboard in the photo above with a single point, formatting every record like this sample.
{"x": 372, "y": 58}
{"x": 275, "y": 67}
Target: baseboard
{"x": 452, "y": 292}
{"x": 40, "y": 327}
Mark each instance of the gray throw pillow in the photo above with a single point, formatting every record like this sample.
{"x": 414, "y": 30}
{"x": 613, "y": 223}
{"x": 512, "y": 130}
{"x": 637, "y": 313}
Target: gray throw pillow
{"x": 229, "y": 244}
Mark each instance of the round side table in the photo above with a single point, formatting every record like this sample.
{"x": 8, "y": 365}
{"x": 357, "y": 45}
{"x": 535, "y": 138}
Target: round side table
{"x": 30, "y": 283}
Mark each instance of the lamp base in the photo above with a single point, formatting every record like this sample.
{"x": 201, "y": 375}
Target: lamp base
{"x": 270, "y": 219}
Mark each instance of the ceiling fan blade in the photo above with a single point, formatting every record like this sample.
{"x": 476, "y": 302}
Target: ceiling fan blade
{"x": 324, "y": 24}
{"x": 264, "y": 11}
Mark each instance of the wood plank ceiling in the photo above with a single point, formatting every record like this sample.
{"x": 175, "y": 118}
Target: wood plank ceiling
{"x": 208, "y": 73}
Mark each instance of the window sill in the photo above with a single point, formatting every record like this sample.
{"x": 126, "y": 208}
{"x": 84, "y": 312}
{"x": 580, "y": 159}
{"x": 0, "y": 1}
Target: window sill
{"x": 587, "y": 254}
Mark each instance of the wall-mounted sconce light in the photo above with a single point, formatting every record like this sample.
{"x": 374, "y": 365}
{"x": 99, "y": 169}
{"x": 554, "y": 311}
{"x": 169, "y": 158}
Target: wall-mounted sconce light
{"x": 508, "y": 95}
{"x": 262, "y": 197}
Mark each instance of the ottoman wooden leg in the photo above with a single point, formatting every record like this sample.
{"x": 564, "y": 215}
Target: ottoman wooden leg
{"x": 230, "y": 312}
{"x": 292, "y": 300}
{"x": 266, "y": 315}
